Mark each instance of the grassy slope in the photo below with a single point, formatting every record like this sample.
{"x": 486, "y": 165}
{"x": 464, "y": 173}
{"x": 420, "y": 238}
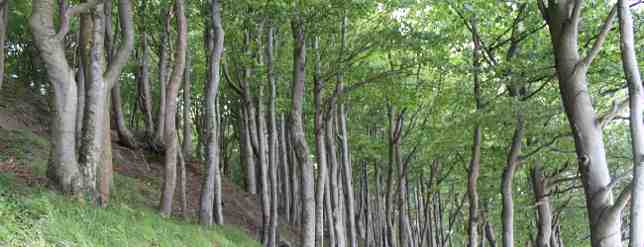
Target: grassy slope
{"x": 32, "y": 215}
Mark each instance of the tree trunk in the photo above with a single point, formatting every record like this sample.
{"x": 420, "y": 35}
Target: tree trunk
{"x": 636, "y": 98}
{"x": 563, "y": 19}
{"x": 211, "y": 197}
{"x": 187, "y": 147}
{"x": 320, "y": 149}
{"x": 544, "y": 212}
{"x": 144, "y": 86}
{"x": 285, "y": 169}
{"x": 163, "y": 77}
{"x": 170, "y": 132}
{"x": 263, "y": 166}
{"x": 272, "y": 143}
{"x": 125, "y": 135}
{"x": 506, "y": 183}
{"x": 475, "y": 166}
{"x": 299, "y": 138}
{"x": 335, "y": 187}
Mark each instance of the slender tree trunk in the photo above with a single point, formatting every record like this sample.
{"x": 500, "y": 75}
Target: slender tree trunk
{"x": 211, "y": 197}
{"x": 299, "y": 139}
{"x": 335, "y": 187}
{"x": 273, "y": 135}
{"x": 636, "y": 98}
{"x": 183, "y": 200}
{"x": 125, "y": 135}
{"x": 544, "y": 212}
{"x": 163, "y": 77}
{"x": 144, "y": 86}
{"x": 170, "y": 133}
{"x": 320, "y": 149}
{"x": 285, "y": 169}
{"x": 563, "y": 19}
{"x": 187, "y": 146}
{"x": 506, "y": 183}
{"x": 263, "y": 165}
{"x": 475, "y": 166}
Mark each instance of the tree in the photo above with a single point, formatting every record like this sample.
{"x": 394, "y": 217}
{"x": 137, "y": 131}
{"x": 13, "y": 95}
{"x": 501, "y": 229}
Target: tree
{"x": 636, "y": 97}
{"x": 170, "y": 132}
{"x": 300, "y": 146}
{"x": 563, "y": 19}
{"x": 211, "y": 192}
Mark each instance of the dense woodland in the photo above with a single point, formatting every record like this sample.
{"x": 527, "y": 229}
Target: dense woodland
{"x": 362, "y": 123}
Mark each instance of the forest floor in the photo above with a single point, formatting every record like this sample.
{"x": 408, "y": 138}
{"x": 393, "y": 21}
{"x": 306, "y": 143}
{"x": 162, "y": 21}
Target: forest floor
{"x": 31, "y": 214}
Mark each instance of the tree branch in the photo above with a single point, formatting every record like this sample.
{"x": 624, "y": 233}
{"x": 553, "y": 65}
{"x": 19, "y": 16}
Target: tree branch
{"x": 71, "y": 12}
{"x": 620, "y": 203}
{"x": 605, "y": 28}
{"x": 615, "y": 111}
{"x": 115, "y": 68}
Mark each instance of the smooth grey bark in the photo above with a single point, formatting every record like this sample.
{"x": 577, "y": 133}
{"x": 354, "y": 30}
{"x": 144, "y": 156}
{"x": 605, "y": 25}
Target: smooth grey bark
{"x": 248, "y": 153}
{"x": 300, "y": 145}
{"x": 636, "y": 98}
{"x": 475, "y": 161}
{"x": 183, "y": 200}
{"x": 170, "y": 133}
{"x": 389, "y": 197}
{"x": 320, "y": 149}
{"x": 273, "y": 136}
{"x": 512, "y": 164}
{"x": 604, "y": 213}
{"x": 159, "y": 134}
{"x": 285, "y": 169}
{"x": 544, "y": 211}
{"x": 211, "y": 198}
{"x": 334, "y": 173}
{"x": 263, "y": 165}
{"x": 346, "y": 161}
{"x": 63, "y": 167}
{"x": 125, "y": 135}
{"x": 145, "y": 93}
{"x": 187, "y": 147}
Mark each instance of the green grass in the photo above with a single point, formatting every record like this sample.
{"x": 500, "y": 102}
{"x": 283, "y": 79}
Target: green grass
{"x": 36, "y": 216}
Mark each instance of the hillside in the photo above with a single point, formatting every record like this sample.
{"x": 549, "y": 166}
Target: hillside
{"x": 33, "y": 215}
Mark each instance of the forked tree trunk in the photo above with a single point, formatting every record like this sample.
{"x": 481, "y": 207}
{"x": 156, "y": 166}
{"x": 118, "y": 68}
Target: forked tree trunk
{"x": 171, "y": 142}
{"x": 604, "y": 214}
